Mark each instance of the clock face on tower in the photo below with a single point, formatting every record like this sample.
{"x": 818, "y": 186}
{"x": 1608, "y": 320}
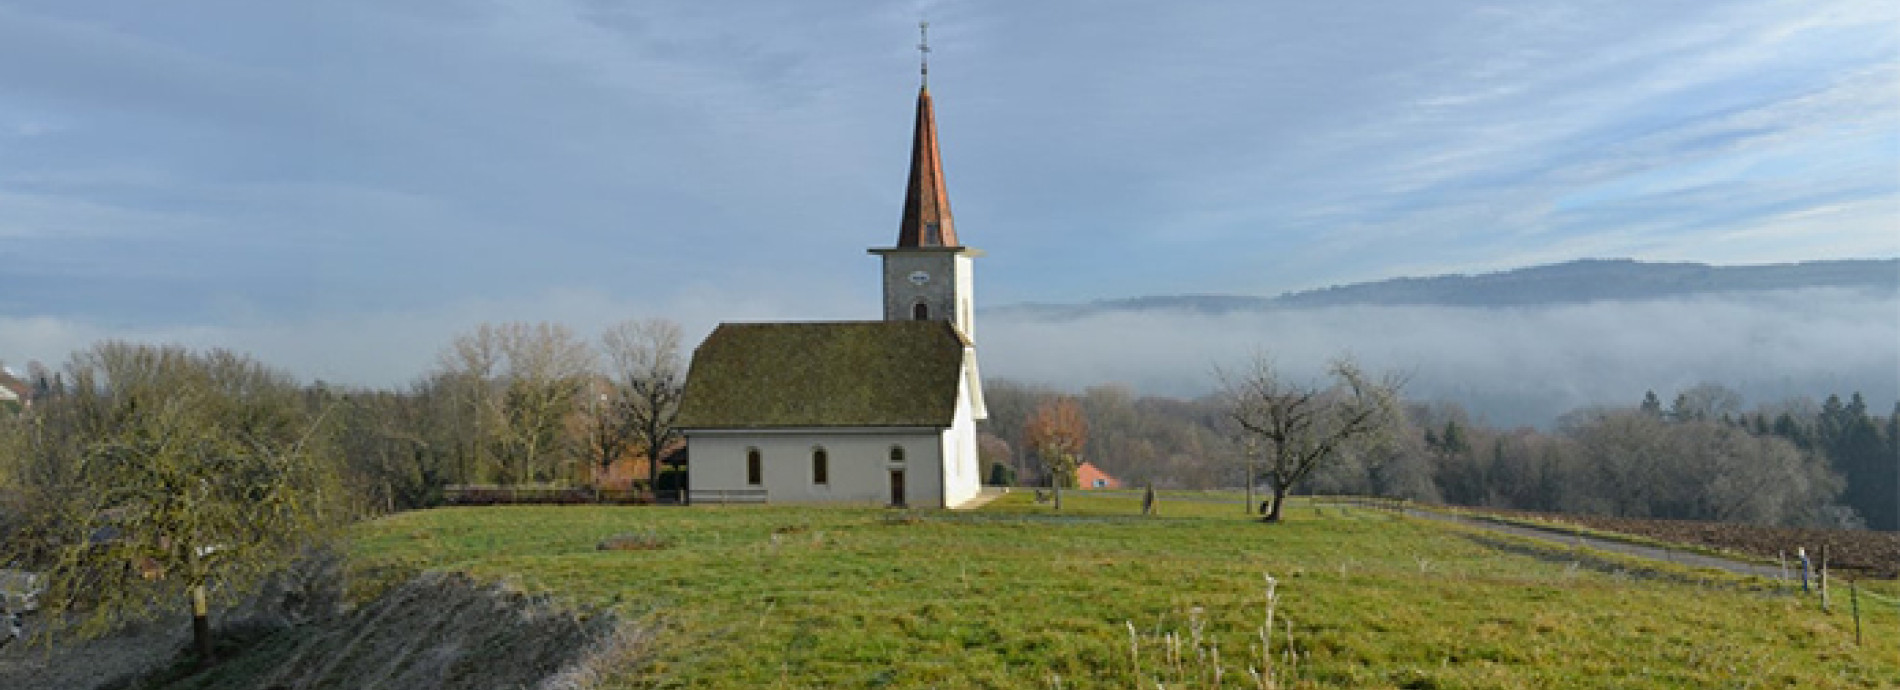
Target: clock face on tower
{"x": 919, "y": 277}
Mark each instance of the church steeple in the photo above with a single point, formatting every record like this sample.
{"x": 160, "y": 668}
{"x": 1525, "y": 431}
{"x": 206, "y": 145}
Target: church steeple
{"x": 928, "y": 276}
{"x": 927, "y": 221}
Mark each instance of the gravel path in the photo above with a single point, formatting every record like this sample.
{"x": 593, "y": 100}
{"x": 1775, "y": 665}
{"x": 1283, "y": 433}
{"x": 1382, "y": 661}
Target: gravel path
{"x": 1570, "y": 539}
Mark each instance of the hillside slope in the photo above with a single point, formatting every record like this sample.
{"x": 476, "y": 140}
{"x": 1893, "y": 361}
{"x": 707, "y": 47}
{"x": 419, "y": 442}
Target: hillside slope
{"x": 438, "y": 631}
{"x": 1573, "y": 282}
{"x": 1015, "y": 595}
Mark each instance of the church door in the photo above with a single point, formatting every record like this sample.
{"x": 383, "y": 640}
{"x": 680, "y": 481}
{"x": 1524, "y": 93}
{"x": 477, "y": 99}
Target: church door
{"x": 897, "y": 488}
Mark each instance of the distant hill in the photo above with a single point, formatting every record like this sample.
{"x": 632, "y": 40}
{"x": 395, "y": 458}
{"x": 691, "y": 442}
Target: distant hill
{"x": 1587, "y": 280}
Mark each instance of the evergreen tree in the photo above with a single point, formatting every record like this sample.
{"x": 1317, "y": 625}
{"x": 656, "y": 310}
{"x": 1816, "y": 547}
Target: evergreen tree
{"x": 1453, "y": 440}
{"x": 1832, "y": 422}
{"x": 1652, "y": 405}
{"x": 1002, "y": 474}
{"x": 1680, "y": 411}
{"x": 1786, "y": 427}
{"x": 1891, "y": 462}
{"x": 1893, "y": 435}
{"x": 1855, "y": 449}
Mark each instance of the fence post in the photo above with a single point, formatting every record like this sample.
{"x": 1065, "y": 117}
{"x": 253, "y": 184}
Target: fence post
{"x": 1853, "y": 594}
{"x": 1824, "y": 601}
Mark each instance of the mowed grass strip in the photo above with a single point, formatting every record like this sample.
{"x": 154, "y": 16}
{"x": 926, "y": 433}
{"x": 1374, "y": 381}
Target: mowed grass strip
{"x": 1015, "y": 595}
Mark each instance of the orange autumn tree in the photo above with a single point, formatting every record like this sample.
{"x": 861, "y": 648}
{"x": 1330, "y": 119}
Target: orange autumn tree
{"x": 1056, "y": 432}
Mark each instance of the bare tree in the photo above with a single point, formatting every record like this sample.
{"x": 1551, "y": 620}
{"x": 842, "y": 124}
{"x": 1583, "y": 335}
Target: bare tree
{"x": 520, "y": 382}
{"x": 649, "y": 378}
{"x": 1057, "y": 432}
{"x": 1642, "y": 466}
{"x": 1629, "y": 454}
{"x": 609, "y": 424}
{"x": 166, "y": 476}
{"x": 1706, "y": 402}
{"x": 1298, "y": 428}
{"x": 397, "y": 456}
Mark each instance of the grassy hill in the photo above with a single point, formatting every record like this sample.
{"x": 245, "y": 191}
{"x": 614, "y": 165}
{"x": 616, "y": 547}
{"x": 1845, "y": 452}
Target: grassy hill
{"x": 1014, "y": 596}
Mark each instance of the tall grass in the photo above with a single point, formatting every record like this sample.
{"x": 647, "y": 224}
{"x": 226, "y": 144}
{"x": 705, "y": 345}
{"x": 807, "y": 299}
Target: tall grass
{"x": 1191, "y": 658}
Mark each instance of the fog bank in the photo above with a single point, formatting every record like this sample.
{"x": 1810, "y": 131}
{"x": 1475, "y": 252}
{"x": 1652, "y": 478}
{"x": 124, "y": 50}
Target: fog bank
{"x": 1516, "y": 366}
{"x": 1510, "y": 366}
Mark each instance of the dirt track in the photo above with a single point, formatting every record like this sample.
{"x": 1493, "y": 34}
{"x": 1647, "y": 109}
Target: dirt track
{"x": 1571, "y": 539}
{"x": 1868, "y": 552}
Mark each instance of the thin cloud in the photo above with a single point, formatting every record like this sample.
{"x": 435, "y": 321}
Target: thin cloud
{"x": 297, "y": 165}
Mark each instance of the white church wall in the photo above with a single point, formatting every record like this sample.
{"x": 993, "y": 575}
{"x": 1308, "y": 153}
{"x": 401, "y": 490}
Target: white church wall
{"x": 858, "y": 465}
{"x": 961, "y": 473}
{"x": 965, "y": 296}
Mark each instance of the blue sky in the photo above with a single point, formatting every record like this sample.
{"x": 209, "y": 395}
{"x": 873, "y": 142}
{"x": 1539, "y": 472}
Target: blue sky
{"x": 342, "y": 186}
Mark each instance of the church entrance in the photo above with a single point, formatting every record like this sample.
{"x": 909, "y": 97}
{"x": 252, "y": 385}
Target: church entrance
{"x": 897, "y": 488}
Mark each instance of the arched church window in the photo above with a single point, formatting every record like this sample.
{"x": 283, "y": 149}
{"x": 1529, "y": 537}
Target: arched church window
{"x": 897, "y": 455}
{"x": 820, "y": 469}
{"x": 920, "y": 312}
{"x": 754, "y": 467}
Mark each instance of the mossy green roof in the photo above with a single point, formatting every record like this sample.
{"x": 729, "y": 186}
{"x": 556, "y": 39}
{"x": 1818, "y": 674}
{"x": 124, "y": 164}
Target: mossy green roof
{"x": 851, "y": 374}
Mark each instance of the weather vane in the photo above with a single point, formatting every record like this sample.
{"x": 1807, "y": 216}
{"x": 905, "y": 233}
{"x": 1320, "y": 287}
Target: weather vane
{"x": 923, "y": 49}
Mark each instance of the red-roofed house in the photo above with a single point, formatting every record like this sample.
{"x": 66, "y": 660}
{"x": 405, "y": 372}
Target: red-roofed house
{"x": 14, "y": 393}
{"x": 1088, "y": 476}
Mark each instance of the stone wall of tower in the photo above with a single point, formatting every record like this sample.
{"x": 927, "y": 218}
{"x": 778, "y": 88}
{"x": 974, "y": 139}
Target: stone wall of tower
{"x": 938, "y": 279}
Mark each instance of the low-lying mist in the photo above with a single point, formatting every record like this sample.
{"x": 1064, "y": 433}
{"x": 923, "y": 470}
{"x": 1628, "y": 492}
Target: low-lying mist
{"x": 1510, "y": 367}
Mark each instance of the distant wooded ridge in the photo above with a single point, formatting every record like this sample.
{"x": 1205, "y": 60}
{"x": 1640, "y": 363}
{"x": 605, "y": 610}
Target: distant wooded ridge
{"x": 1585, "y": 280}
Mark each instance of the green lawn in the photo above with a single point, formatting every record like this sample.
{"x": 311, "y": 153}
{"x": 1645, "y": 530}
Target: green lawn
{"x": 1015, "y": 596}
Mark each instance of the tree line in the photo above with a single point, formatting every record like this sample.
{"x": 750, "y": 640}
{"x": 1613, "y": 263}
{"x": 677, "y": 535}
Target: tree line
{"x": 1703, "y": 457}
{"x": 144, "y": 473}
{"x": 524, "y": 403}
{"x": 518, "y": 403}
{"x": 145, "y": 478}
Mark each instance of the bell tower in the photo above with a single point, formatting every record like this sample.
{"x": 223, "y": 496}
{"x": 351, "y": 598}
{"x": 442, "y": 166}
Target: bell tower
{"x": 927, "y": 275}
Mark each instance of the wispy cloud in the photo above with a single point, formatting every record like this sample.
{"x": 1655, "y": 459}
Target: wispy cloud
{"x": 196, "y": 168}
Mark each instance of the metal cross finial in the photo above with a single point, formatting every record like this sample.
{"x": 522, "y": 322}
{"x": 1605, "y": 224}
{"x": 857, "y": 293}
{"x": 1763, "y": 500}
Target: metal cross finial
{"x": 923, "y": 50}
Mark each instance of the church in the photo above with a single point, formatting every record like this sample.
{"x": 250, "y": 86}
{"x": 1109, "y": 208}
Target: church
{"x": 857, "y": 412}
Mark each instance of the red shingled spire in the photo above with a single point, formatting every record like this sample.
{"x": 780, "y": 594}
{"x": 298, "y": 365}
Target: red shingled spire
{"x": 926, "y": 205}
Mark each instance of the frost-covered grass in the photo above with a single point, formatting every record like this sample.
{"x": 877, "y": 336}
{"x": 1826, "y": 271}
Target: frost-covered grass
{"x": 1017, "y": 596}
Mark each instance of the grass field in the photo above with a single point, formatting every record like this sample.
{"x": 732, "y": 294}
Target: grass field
{"x": 1014, "y": 596}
